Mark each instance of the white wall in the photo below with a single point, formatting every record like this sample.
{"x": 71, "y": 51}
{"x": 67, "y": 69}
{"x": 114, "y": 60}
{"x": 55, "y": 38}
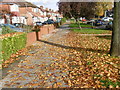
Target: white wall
{"x": 15, "y": 19}
{"x": 23, "y": 20}
{"x": 41, "y": 19}
{"x": 35, "y": 10}
{"x": 41, "y": 13}
{"x": 35, "y": 19}
{"x": 45, "y": 13}
{"x": 45, "y": 18}
{"x": 2, "y": 21}
{"x": 14, "y": 8}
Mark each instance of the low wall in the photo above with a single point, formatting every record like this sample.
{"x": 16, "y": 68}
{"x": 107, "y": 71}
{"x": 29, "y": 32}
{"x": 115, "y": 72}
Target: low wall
{"x": 31, "y": 38}
{"x": 46, "y": 29}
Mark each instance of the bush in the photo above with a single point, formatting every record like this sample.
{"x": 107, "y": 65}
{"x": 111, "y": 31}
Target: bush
{"x": 12, "y": 44}
{"x": 63, "y": 20}
{"x": 6, "y": 30}
{"x": 27, "y": 28}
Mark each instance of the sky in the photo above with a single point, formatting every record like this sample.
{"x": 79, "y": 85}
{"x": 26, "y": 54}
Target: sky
{"x": 51, "y": 4}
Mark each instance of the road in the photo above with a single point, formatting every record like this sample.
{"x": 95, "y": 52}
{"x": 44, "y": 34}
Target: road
{"x": 103, "y": 26}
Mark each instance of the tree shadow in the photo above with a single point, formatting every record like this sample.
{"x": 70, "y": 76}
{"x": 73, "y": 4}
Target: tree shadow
{"x": 75, "y": 48}
{"x": 108, "y": 37}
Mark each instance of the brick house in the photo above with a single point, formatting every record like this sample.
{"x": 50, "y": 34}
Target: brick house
{"x": 21, "y": 11}
{"x": 12, "y": 15}
{"x": 43, "y": 13}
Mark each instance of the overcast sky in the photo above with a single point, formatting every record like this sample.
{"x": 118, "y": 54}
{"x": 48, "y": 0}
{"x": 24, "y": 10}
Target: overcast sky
{"x": 51, "y": 4}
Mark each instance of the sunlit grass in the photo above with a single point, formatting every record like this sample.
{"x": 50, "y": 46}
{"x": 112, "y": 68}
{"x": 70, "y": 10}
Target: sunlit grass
{"x": 92, "y": 31}
{"x": 75, "y": 25}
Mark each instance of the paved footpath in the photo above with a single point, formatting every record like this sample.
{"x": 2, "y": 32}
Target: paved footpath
{"x": 39, "y": 70}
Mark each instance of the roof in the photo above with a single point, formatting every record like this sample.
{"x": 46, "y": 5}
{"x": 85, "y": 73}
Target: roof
{"x": 22, "y": 3}
{"x": 35, "y": 14}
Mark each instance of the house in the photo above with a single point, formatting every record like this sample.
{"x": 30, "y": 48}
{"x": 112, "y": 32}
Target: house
{"x": 21, "y": 11}
{"x": 27, "y": 10}
{"x": 2, "y": 13}
{"x": 43, "y": 13}
{"x": 13, "y": 13}
{"x": 26, "y": 18}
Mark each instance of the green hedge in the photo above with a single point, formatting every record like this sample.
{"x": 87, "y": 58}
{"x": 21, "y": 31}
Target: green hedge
{"x": 63, "y": 20}
{"x": 6, "y": 30}
{"x": 11, "y": 45}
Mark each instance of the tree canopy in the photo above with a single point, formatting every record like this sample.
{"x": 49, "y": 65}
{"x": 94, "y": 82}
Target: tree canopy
{"x": 101, "y": 7}
{"x": 83, "y": 9}
{"x": 77, "y": 9}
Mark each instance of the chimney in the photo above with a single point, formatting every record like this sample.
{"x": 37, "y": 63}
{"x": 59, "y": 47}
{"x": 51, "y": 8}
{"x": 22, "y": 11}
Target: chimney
{"x": 41, "y": 7}
{"x": 47, "y": 9}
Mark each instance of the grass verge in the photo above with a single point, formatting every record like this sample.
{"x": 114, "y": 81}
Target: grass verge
{"x": 92, "y": 31}
{"x": 74, "y": 25}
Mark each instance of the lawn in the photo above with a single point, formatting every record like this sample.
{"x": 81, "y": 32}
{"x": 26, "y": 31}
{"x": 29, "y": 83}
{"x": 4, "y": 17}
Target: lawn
{"x": 83, "y": 25}
{"x": 92, "y": 31}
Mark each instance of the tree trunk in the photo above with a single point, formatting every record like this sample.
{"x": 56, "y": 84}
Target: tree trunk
{"x": 115, "y": 42}
{"x": 77, "y": 21}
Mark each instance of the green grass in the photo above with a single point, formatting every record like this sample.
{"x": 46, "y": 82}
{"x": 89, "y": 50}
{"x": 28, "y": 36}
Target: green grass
{"x": 107, "y": 83}
{"x": 92, "y": 31}
{"x": 74, "y": 25}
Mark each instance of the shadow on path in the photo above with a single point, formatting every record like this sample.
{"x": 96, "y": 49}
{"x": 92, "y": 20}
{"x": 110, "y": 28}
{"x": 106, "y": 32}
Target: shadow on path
{"x": 75, "y": 48}
{"x": 108, "y": 37}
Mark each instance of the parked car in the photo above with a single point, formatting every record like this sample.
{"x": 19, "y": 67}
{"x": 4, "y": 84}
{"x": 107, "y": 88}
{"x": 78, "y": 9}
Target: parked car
{"x": 84, "y": 20}
{"x": 107, "y": 19}
{"x": 44, "y": 23}
{"x": 19, "y": 24}
{"x": 97, "y": 23}
{"x": 50, "y": 21}
{"x": 109, "y": 25}
{"x": 39, "y": 23}
{"x": 90, "y": 21}
{"x": 13, "y": 27}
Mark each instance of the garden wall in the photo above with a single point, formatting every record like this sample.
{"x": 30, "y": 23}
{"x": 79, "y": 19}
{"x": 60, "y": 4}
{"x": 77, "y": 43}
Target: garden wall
{"x": 46, "y": 29}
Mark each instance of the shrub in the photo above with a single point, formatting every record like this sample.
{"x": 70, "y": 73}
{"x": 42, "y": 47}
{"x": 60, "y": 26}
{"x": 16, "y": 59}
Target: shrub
{"x": 63, "y": 20}
{"x": 6, "y": 30}
{"x": 12, "y": 44}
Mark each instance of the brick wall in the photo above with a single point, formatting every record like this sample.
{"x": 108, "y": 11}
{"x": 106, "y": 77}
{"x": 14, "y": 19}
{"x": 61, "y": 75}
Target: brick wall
{"x": 44, "y": 30}
{"x": 31, "y": 38}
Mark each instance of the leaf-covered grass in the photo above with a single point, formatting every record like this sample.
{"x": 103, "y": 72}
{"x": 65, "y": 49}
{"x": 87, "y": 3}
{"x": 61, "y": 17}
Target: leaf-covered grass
{"x": 75, "y": 25}
{"x": 92, "y": 31}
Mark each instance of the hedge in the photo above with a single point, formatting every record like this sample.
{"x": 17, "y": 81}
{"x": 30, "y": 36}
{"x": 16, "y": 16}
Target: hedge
{"x": 12, "y": 44}
{"x": 63, "y": 20}
{"x": 6, "y": 30}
